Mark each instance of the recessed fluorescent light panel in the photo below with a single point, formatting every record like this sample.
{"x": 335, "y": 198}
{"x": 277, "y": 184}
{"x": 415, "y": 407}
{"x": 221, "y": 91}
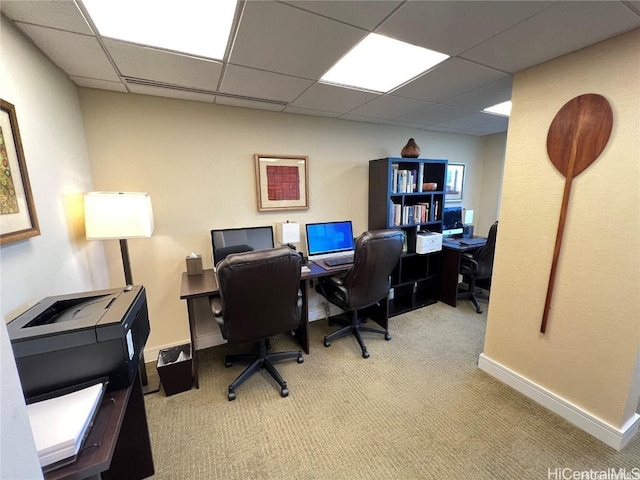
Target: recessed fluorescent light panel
{"x": 195, "y": 27}
{"x": 503, "y": 108}
{"x": 380, "y": 64}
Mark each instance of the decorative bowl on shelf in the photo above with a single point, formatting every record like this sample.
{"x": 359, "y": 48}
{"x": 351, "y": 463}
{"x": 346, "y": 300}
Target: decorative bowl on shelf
{"x": 429, "y": 186}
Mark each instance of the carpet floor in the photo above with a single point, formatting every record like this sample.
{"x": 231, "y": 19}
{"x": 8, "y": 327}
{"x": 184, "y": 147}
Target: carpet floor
{"x": 418, "y": 408}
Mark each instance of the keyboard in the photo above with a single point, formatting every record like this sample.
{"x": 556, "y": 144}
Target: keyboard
{"x": 473, "y": 241}
{"x": 337, "y": 261}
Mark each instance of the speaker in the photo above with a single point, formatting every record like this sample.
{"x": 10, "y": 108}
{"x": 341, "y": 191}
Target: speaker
{"x": 467, "y": 231}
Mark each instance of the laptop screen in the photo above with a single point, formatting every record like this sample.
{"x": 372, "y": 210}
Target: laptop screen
{"x": 329, "y": 237}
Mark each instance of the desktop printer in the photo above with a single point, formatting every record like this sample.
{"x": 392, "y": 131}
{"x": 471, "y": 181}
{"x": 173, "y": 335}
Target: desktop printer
{"x": 69, "y": 339}
{"x": 427, "y": 242}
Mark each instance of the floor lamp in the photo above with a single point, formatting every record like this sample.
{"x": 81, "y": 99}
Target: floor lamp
{"x": 120, "y": 215}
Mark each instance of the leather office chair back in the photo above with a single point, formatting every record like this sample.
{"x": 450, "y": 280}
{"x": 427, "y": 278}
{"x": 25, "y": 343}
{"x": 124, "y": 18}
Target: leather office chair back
{"x": 484, "y": 256}
{"x": 376, "y": 255}
{"x": 259, "y": 291}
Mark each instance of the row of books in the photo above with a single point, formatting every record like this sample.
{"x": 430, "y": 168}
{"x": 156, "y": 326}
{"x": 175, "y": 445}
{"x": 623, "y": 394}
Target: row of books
{"x": 406, "y": 181}
{"x": 409, "y": 214}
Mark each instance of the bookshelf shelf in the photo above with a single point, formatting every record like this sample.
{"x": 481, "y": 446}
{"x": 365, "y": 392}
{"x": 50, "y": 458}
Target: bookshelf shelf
{"x": 398, "y": 199}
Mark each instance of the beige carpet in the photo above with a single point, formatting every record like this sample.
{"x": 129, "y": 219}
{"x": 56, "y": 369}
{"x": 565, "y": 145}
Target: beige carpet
{"x": 418, "y": 408}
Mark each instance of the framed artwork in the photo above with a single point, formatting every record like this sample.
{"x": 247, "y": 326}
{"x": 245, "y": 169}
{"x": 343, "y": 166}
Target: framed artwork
{"x": 18, "y": 219}
{"x": 454, "y": 182}
{"x": 282, "y": 182}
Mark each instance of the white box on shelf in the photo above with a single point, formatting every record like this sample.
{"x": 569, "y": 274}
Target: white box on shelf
{"x": 427, "y": 242}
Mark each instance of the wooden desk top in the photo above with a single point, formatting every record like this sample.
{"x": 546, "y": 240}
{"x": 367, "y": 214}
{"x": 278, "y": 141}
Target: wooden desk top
{"x": 194, "y": 286}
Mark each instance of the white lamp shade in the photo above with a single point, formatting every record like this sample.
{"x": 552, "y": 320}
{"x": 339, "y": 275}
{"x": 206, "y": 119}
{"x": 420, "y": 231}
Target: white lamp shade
{"x": 118, "y": 215}
{"x": 288, "y": 232}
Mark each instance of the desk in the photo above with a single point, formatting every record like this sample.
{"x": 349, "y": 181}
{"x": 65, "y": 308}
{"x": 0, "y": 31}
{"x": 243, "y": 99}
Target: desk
{"x": 206, "y": 284}
{"x": 451, "y": 255}
{"x": 118, "y": 445}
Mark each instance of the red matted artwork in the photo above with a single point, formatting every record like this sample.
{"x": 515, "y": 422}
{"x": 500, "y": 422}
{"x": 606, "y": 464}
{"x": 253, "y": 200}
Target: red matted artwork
{"x": 282, "y": 182}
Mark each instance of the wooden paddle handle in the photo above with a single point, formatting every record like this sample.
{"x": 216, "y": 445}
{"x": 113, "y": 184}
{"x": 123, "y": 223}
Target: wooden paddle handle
{"x": 556, "y": 251}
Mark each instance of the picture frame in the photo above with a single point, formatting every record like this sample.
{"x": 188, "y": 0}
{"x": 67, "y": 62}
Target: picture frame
{"x": 18, "y": 218}
{"x": 282, "y": 182}
{"x": 454, "y": 183}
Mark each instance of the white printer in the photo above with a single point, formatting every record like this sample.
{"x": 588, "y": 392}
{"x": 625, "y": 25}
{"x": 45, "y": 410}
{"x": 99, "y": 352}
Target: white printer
{"x": 427, "y": 242}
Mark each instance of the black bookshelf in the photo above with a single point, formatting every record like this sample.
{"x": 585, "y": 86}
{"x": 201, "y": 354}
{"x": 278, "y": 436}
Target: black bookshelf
{"x": 398, "y": 199}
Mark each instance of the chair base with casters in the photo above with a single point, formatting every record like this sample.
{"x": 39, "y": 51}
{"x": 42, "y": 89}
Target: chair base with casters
{"x": 471, "y": 294}
{"x": 261, "y": 360}
{"x": 354, "y": 326}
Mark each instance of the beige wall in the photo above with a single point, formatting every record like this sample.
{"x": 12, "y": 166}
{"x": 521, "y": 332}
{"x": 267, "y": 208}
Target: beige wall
{"x": 48, "y": 110}
{"x": 196, "y": 161}
{"x": 589, "y": 354}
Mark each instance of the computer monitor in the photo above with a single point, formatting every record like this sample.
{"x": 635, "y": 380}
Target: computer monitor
{"x": 328, "y": 238}
{"x": 452, "y": 221}
{"x": 235, "y": 240}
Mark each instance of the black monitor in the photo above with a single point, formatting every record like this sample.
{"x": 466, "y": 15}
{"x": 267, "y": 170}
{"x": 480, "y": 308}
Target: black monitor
{"x": 452, "y": 221}
{"x": 329, "y": 238}
{"x": 236, "y": 240}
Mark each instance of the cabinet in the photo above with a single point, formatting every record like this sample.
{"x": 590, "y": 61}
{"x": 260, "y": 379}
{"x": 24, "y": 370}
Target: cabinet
{"x": 398, "y": 199}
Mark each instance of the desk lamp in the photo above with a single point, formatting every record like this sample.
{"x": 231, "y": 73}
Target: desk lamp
{"x": 120, "y": 215}
{"x": 288, "y": 233}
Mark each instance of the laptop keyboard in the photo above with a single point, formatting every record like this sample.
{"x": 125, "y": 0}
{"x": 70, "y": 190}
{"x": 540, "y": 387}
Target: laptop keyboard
{"x": 337, "y": 261}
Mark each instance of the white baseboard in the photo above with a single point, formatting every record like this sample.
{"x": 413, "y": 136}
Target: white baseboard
{"x": 614, "y": 437}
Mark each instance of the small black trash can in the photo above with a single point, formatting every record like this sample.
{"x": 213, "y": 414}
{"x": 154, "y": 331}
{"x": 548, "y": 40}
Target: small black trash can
{"x": 174, "y": 369}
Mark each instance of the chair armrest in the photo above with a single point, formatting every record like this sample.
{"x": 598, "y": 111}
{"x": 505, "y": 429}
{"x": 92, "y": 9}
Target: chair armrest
{"x": 216, "y": 305}
{"x": 338, "y": 281}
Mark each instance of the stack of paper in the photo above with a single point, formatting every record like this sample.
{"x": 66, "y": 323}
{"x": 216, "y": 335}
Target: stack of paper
{"x": 59, "y": 424}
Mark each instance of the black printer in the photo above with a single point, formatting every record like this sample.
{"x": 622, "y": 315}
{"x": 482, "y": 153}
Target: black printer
{"x": 69, "y": 339}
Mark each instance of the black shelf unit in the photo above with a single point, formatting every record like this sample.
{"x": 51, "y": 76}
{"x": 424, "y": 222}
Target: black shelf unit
{"x": 415, "y": 282}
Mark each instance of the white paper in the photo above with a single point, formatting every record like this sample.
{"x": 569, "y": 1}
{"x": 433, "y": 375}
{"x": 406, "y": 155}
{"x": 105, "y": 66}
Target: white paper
{"x": 59, "y": 424}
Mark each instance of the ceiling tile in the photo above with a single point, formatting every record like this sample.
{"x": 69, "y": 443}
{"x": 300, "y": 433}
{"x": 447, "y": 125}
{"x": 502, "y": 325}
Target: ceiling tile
{"x": 561, "y": 29}
{"x": 61, "y": 14}
{"x": 366, "y": 14}
{"x": 258, "y": 83}
{"x": 449, "y": 79}
{"x": 243, "y": 102}
{"x": 453, "y": 27}
{"x": 329, "y": 98}
{"x": 474, "y": 120}
{"x": 99, "y": 84}
{"x": 434, "y": 115}
{"x": 162, "y": 66}
{"x": 88, "y": 60}
{"x": 171, "y": 93}
{"x": 306, "y": 111}
{"x": 485, "y": 96}
{"x": 283, "y": 39}
{"x": 388, "y": 107}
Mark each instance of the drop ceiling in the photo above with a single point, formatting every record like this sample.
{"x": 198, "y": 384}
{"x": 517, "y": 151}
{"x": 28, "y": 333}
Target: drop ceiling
{"x": 279, "y": 50}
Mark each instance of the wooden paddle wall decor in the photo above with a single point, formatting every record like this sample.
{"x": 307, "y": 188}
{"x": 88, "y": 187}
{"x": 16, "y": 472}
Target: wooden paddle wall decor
{"x": 577, "y": 135}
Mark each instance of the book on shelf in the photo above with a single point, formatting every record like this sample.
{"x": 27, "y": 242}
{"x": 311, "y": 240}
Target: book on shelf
{"x": 60, "y": 424}
{"x": 420, "y": 176}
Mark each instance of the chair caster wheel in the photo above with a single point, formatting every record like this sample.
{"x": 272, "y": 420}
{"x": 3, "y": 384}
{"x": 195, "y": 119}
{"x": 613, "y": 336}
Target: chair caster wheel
{"x": 387, "y": 337}
{"x": 365, "y": 354}
{"x": 227, "y": 363}
{"x": 331, "y": 324}
{"x": 479, "y": 310}
{"x": 300, "y": 359}
{"x": 326, "y": 344}
{"x": 231, "y": 395}
{"x": 284, "y": 392}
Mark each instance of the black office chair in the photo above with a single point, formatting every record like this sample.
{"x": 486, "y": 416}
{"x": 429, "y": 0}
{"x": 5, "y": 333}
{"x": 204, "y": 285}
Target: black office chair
{"x": 259, "y": 297}
{"x": 478, "y": 266}
{"x": 221, "y": 253}
{"x": 366, "y": 283}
